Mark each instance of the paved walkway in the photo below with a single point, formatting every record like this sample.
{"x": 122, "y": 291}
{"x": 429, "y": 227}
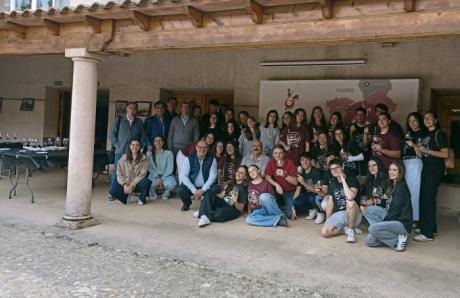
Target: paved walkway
{"x": 296, "y": 257}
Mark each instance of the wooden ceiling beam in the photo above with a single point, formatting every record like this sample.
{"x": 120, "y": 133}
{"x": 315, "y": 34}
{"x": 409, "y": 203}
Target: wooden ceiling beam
{"x": 326, "y": 7}
{"x": 20, "y": 30}
{"x": 255, "y": 10}
{"x": 409, "y": 5}
{"x": 52, "y": 26}
{"x": 195, "y": 15}
{"x": 142, "y": 20}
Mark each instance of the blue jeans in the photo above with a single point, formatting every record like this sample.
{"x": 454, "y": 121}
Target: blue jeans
{"x": 413, "y": 179}
{"x": 307, "y": 201}
{"x": 288, "y": 197}
{"x": 374, "y": 214}
{"x": 115, "y": 166}
{"x": 169, "y": 182}
{"x": 384, "y": 233}
{"x": 143, "y": 187}
{"x": 268, "y": 215}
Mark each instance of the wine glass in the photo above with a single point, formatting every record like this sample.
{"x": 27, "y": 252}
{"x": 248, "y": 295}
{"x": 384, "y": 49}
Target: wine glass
{"x": 15, "y": 136}
{"x": 7, "y": 136}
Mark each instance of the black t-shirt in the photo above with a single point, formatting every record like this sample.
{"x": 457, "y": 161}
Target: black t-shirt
{"x": 435, "y": 140}
{"x": 312, "y": 177}
{"x": 338, "y": 194}
{"x": 374, "y": 188}
{"x": 319, "y": 155}
{"x": 352, "y": 149}
{"x": 416, "y": 137}
{"x": 241, "y": 193}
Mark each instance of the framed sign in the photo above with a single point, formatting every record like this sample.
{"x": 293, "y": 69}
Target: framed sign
{"x": 144, "y": 108}
{"x": 27, "y": 104}
{"x": 120, "y": 107}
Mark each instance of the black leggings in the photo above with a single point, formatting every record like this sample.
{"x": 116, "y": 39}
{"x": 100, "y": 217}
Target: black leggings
{"x": 216, "y": 209}
{"x": 431, "y": 179}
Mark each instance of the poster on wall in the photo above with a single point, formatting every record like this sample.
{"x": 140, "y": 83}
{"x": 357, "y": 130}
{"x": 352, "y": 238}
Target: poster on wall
{"x": 344, "y": 96}
{"x": 27, "y": 104}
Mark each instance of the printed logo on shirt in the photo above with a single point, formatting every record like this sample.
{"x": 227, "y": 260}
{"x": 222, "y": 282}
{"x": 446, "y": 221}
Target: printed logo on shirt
{"x": 293, "y": 139}
{"x": 340, "y": 198}
{"x": 253, "y": 197}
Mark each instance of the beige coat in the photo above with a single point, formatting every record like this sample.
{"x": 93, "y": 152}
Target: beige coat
{"x": 131, "y": 173}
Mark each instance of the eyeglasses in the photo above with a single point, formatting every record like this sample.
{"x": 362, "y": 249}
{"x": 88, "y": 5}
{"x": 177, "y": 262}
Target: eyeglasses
{"x": 334, "y": 168}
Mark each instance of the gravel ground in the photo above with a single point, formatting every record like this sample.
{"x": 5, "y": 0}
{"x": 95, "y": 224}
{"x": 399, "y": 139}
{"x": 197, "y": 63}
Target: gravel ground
{"x": 34, "y": 264}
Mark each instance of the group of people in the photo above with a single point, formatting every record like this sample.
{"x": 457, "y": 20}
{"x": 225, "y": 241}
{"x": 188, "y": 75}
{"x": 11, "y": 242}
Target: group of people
{"x": 333, "y": 173}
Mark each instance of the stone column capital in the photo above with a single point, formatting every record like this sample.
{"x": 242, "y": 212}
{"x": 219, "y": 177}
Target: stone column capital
{"x": 79, "y": 54}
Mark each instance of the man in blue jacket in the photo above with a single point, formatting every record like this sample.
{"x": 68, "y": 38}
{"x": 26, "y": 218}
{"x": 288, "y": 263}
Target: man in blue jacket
{"x": 157, "y": 125}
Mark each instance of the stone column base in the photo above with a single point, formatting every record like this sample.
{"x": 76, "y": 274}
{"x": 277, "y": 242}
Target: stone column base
{"x": 76, "y": 223}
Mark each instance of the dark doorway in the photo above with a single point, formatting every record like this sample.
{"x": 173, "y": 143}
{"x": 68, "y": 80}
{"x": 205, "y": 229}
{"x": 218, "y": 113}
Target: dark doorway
{"x": 446, "y": 103}
{"x": 102, "y": 111}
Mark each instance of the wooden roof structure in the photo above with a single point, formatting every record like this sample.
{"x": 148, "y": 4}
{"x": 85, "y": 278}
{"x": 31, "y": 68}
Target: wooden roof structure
{"x": 151, "y": 25}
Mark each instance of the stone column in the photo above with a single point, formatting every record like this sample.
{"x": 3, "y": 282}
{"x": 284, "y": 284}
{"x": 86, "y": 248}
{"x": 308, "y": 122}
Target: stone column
{"x": 81, "y": 147}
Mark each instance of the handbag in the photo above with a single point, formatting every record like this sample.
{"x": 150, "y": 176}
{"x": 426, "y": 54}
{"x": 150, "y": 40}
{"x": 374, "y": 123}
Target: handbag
{"x": 111, "y": 152}
{"x": 450, "y": 160}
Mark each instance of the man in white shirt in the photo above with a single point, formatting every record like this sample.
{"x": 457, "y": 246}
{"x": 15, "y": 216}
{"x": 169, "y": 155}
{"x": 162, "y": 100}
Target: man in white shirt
{"x": 198, "y": 175}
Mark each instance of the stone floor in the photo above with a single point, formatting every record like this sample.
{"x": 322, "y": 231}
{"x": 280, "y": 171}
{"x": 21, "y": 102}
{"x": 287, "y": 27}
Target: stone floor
{"x": 296, "y": 258}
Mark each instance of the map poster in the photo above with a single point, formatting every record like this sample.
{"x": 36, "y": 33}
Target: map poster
{"x": 344, "y": 96}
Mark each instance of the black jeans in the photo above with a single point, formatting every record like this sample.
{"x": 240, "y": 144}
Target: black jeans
{"x": 216, "y": 209}
{"x": 431, "y": 179}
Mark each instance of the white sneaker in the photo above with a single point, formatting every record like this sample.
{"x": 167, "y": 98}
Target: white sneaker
{"x": 204, "y": 221}
{"x": 165, "y": 198}
{"x": 311, "y": 214}
{"x": 140, "y": 203}
{"x": 196, "y": 213}
{"x": 401, "y": 245}
{"x": 319, "y": 218}
{"x": 351, "y": 237}
{"x": 422, "y": 238}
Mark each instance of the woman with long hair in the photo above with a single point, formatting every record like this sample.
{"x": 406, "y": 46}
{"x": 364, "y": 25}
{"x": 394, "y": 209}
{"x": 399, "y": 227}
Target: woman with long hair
{"x": 373, "y": 190}
{"x": 218, "y": 151}
{"x": 434, "y": 149}
{"x": 412, "y": 158}
{"x": 295, "y": 138}
{"x": 317, "y": 123}
{"x": 392, "y": 231}
{"x": 322, "y": 152}
{"x": 231, "y": 132}
{"x": 286, "y": 120}
{"x": 131, "y": 175}
{"x": 270, "y": 132}
{"x": 248, "y": 134}
{"x": 228, "y": 203}
{"x": 160, "y": 167}
{"x": 347, "y": 150}
{"x": 229, "y": 163}
{"x": 213, "y": 127}
{"x": 335, "y": 121}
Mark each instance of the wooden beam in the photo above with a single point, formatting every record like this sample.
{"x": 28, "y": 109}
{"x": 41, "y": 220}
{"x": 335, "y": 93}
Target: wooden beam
{"x": 94, "y": 23}
{"x": 195, "y": 15}
{"x": 142, "y": 20}
{"x": 20, "y": 30}
{"x": 255, "y": 10}
{"x": 52, "y": 26}
{"x": 409, "y": 5}
{"x": 326, "y": 7}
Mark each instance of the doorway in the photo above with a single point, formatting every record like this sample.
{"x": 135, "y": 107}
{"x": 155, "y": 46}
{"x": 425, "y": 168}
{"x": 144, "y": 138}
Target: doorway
{"x": 102, "y": 112}
{"x": 446, "y": 103}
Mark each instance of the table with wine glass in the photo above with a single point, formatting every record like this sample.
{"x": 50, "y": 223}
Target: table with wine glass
{"x": 15, "y": 158}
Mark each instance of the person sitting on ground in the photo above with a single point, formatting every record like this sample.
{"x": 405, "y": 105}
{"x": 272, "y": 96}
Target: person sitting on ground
{"x": 341, "y": 208}
{"x": 309, "y": 192}
{"x": 198, "y": 175}
{"x": 160, "y": 166}
{"x": 256, "y": 157}
{"x": 281, "y": 173}
{"x": 393, "y": 229}
{"x": 230, "y": 162}
{"x": 262, "y": 206}
{"x": 372, "y": 191}
{"x": 228, "y": 203}
{"x": 131, "y": 175}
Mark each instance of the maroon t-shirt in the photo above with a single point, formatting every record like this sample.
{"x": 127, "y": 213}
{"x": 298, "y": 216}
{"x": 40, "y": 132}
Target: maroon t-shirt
{"x": 255, "y": 190}
{"x": 288, "y": 166}
{"x": 295, "y": 138}
{"x": 389, "y": 141}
